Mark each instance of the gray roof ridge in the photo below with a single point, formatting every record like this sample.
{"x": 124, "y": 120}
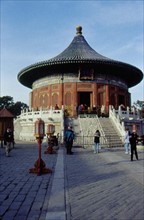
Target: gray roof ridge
{"x": 78, "y": 49}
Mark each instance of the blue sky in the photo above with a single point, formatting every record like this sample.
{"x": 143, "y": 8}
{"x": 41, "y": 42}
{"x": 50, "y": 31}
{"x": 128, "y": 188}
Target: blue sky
{"x": 37, "y": 30}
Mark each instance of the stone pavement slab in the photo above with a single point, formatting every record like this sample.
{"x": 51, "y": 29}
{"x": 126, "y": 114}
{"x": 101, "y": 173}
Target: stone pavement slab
{"x": 82, "y": 186}
{"x": 104, "y": 186}
{"x": 24, "y": 195}
{"x": 135, "y": 168}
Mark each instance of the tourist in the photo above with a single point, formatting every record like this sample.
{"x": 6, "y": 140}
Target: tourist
{"x": 126, "y": 141}
{"x": 133, "y": 142}
{"x": 82, "y": 107}
{"x": 94, "y": 109}
{"x": 8, "y": 140}
{"x": 79, "y": 109}
{"x": 69, "y": 137}
{"x": 89, "y": 109}
{"x": 96, "y": 142}
{"x": 57, "y": 139}
{"x": 56, "y": 107}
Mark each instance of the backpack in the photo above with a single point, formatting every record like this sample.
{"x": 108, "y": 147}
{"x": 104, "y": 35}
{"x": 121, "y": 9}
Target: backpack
{"x": 69, "y": 136}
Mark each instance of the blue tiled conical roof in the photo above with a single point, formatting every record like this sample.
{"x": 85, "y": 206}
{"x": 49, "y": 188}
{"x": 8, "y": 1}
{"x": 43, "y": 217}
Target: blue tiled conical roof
{"x": 79, "y": 49}
{"x": 79, "y": 52}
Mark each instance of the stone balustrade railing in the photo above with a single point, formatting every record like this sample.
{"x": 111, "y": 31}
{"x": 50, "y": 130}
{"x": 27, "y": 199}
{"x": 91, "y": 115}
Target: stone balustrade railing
{"x": 115, "y": 117}
{"x": 119, "y": 115}
{"x": 24, "y": 123}
{"x": 32, "y": 115}
{"x": 130, "y": 113}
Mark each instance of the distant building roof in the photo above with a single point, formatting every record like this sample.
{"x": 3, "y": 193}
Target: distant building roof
{"x": 4, "y": 113}
{"x": 78, "y": 53}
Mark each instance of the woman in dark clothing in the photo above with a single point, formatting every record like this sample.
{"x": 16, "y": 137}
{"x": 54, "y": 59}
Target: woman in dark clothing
{"x": 133, "y": 142}
{"x": 96, "y": 142}
{"x": 8, "y": 140}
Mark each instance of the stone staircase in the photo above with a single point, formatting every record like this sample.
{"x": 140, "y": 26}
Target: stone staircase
{"x": 84, "y": 129}
{"x": 114, "y": 139}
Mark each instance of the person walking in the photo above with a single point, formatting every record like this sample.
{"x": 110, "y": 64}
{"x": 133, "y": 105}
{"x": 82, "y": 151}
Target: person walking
{"x": 69, "y": 137}
{"x": 133, "y": 142}
{"x": 79, "y": 109}
{"x": 8, "y": 140}
{"x": 96, "y": 142}
{"x": 127, "y": 142}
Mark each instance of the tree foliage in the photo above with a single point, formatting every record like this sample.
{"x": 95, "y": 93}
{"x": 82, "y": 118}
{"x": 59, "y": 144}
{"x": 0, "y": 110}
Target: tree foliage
{"x": 6, "y": 101}
{"x": 14, "y": 108}
{"x": 140, "y": 105}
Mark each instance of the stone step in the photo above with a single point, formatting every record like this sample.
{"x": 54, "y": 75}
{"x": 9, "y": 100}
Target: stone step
{"x": 85, "y": 132}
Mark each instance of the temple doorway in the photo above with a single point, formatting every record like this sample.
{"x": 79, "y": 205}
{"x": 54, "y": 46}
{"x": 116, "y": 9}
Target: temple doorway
{"x": 84, "y": 98}
{"x": 121, "y": 100}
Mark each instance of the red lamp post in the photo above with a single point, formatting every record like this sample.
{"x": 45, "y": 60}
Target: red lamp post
{"x": 39, "y": 166}
{"x": 50, "y": 132}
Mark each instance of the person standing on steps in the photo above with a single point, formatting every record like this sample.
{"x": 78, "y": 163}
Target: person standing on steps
{"x": 96, "y": 142}
{"x": 133, "y": 142}
{"x": 69, "y": 137}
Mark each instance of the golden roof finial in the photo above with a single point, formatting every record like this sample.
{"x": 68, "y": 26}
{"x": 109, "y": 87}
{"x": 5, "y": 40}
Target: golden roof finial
{"x": 79, "y": 30}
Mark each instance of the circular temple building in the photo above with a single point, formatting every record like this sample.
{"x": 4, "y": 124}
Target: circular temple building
{"x": 80, "y": 75}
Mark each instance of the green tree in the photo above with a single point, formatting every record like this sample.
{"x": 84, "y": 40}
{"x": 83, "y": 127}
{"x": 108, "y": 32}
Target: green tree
{"x": 140, "y": 105}
{"x": 6, "y": 101}
{"x": 17, "y": 107}
{"x": 14, "y": 108}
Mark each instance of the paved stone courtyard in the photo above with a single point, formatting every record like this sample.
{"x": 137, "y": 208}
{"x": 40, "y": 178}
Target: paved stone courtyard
{"x": 82, "y": 186}
{"x": 24, "y": 195}
{"x": 103, "y": 187}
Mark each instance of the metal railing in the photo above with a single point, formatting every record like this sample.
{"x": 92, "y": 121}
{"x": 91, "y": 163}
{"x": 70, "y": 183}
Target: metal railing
{"x": 88, "y": 141}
